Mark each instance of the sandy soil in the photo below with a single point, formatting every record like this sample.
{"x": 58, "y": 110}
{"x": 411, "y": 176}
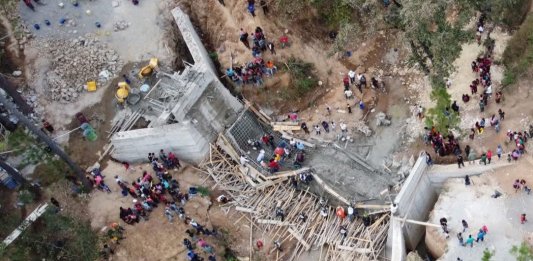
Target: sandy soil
{"x": 156, "y": 239}
{"x": 474, "y": 204}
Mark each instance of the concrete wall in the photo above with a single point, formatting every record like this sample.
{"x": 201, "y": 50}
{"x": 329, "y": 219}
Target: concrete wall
{"x": 182, "y": 138}
{"x": 191, "y": 38}
{"x": 205, "y": 110}
{"x": 415, "y": 200}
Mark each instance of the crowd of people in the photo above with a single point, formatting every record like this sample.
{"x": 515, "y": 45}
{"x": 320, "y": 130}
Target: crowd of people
{"x": 163, "y": 190}
{"x": 281, "y": 152}
{"x": 253, "y": 71}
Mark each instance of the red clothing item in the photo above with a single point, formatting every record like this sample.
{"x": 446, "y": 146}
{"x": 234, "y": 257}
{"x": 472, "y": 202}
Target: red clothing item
{"x": 489, "y": 154}
{"x": 265, "y": 139}
{"x": 273, "y": 164}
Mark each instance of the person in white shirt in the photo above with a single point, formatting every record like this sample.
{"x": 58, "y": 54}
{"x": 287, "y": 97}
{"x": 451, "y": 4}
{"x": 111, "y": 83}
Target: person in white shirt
{"x": 348, "y": 94}
{"x": 261, "y": 156}
{"x": 243, "y": 160}
{"x": 351, "y": 74}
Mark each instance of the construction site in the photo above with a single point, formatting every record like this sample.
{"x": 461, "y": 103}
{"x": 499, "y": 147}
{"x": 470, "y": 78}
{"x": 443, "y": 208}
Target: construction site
{"x": 255, "y": 130}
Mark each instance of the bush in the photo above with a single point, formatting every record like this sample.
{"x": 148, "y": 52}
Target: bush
{"x": 302, "y": 74}
{"x": 518, "y": 55}
{"x": 55, "y": 237}
{"x": 522, "y": 252}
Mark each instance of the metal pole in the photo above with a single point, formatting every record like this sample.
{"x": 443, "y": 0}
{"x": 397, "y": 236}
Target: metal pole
{"x": 46, "y": 139}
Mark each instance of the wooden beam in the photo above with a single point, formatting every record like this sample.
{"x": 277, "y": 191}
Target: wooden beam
{"x": 286, "y": 173}
{"x": 287, "y": 136}
{"x": 372, "y": 206}
{"x": 300, "y": 238}
{"x": 286, "y": 123}
{"x": 358, "y": 250}
{"x": 247, "y": 210}
{"x": 330, "y": 190}
{"x": 272, "y": 222}
{"x": 427, "y": 224}
{"x": 286, "y": 128}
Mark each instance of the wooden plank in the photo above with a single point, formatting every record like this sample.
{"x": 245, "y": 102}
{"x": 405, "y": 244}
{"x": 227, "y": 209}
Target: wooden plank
{"x": 372, "y": 206}
{"x": 418, "y": 222}
{"x": 262, "y": 116}
{"x": 247, "y": 210}
{"x": 358, "y": 250}
{"x": 272, "y": 222}
{"x": 330, "y": 190}
{"x": 286, "y": 128}
{"x": 300, "y": 238}
{"x": 285, "y": 123}
{"x": 286, "y": 173}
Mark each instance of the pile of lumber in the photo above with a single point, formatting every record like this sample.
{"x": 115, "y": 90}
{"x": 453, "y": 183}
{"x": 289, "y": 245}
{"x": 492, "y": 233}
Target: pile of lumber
{"x": 257, "y": 208}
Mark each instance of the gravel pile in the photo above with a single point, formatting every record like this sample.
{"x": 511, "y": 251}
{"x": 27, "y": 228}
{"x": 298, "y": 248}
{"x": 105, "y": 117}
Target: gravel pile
{"x": 120, "y": 25}
{"x": 74, "y": 62}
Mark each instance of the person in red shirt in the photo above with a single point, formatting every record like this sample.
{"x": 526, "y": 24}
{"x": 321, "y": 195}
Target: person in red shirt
{"x": 273, "y": 165}
{"x": 489, "y": 155}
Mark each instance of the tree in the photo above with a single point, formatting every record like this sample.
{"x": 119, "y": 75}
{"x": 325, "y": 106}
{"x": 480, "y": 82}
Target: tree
{"x": 46, "y": 139}
{"x": 522, "y": 252}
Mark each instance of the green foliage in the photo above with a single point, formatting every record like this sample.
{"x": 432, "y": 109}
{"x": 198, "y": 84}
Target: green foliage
{"x": 522, "y": 252}
{"x": 214, "y": 56}
{"x": 508, "y": 13}
{"x": 51, "y": 171}
{"x": 518, "y": 55}
{"x": 203, "y": 191}
{"x": 302, "y": 76}
{"x": 56, "y": 237}
{"x": 25, "y": 197}
{"x": 435, "y": 116}
{"x": 487, "y": 255}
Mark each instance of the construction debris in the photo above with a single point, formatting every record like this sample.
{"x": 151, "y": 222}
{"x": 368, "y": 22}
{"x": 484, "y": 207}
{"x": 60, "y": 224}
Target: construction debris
{"x": 259, "y": 206}
{"x": 382, "y": 119}
{"x": 363, "y": 128}
{"x": 74, "y": 63}
{"x": 120, "y": 25}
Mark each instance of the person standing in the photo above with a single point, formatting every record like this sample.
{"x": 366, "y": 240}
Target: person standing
{"x": 264, "y": 5}
{"x": 470, "y": 240}
{"x": 351, "y": 74}
{"x": 523, "y": 218}
{"x": 465, "y": 225}
{"x": 455, "y": 107}
{"x": 349, "y": 108}
{"x": 270, "y": 46}
{"x": 461, "y": 240}
{"x": 460, "y": 161}
{"x": 499, "y": 151}
{"x": 502, "y": 114}
{"x": 243, "y": 37}
{"x": 480, "y": 236}
{"x": 489, "y": 155}
{"x": 251, "y": 8}
{"x": 483, "y": 158}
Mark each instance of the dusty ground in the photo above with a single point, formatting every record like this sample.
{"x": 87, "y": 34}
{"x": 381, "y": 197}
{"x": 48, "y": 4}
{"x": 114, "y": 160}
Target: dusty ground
{"x": 474, "y": 204}
{"x": 156, "y": 239}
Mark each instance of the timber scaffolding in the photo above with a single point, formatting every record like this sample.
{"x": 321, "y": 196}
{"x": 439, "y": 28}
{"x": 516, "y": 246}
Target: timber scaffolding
{"x": 256, "y": 200}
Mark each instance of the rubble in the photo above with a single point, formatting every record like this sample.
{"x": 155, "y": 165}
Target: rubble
{"x": 363, "y": 128}
{"x": 382, "y": 119}
{"x": 120, "y": 25}
{"x": 74, "y": 62}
